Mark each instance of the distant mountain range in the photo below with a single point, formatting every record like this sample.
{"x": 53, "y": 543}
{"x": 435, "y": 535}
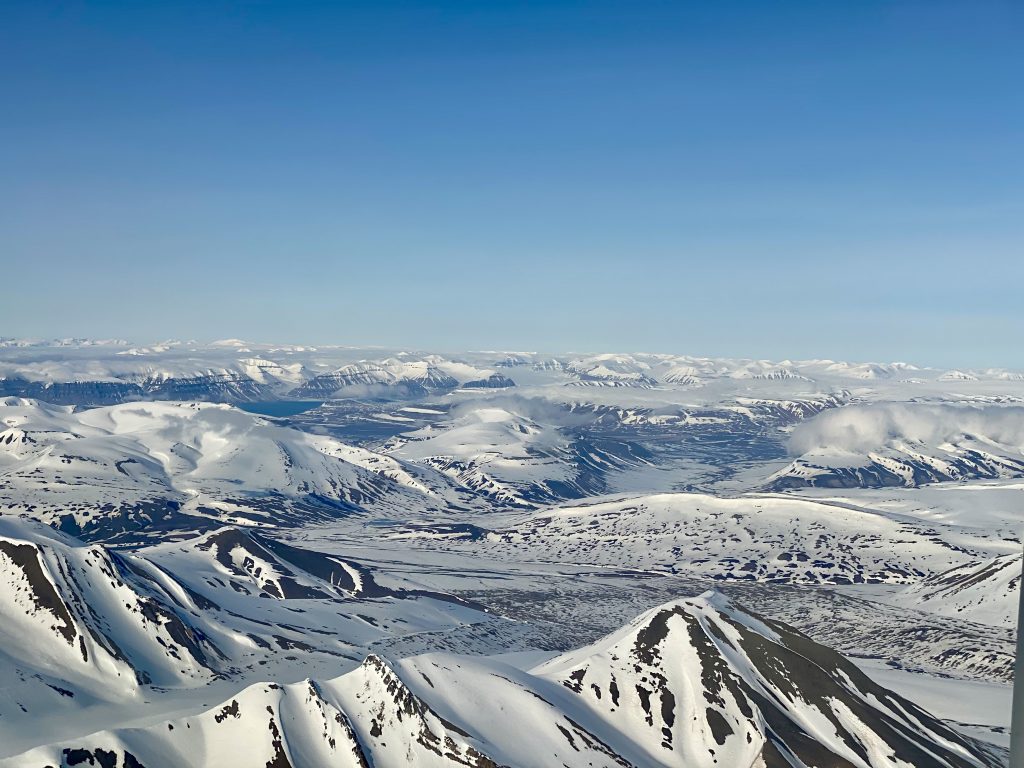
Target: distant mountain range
{"x": 80, "y": 372}
{"x": 287, "y": 556}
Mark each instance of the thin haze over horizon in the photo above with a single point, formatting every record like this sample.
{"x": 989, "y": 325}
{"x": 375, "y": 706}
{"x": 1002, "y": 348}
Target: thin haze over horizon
{"x": 736, "y": 179}
{"x": 174, "y": 348}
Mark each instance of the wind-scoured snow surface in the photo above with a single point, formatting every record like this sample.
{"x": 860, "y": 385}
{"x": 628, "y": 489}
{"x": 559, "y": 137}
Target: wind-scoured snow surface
{"x": 249, "y": 554}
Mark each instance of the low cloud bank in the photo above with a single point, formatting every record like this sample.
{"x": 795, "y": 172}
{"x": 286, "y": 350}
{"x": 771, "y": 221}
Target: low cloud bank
{"x": 538, "y": 409}
{"x": 863, "y": 428}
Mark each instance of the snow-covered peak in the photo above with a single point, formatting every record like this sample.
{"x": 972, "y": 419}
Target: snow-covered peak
{"x": 698, "y": 683}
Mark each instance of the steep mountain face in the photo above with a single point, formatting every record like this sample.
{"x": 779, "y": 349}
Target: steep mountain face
{"x": 549, "y": 364}
{"x": 92, "y": 618}
{"x": 494, "y": 381}
{"x": 741, "y": 414}
{"x": 360, "y": 379}
{"x": 271, "y": 373}
{"x": 152, "y": 468}
{"x": 987, "y": 592}
{"x": 258, "y": 565}
{"x": 683, "y": 374}
{"x": 216, "y": 387}
{"x": 431, "y": 374}
{"x": 73, "y": 392}
{"x": 702, "y": 682}
{"x": 695, "y": 683}
{"x": 390, "y": 378}
{"x": 792, "y": 410}
{"x": 614, "y": 370}
{"x": 87, "y": 629}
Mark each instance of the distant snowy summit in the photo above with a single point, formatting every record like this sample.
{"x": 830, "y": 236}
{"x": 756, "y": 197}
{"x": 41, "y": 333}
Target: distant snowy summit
{"x": 576, "y": 425}
{"x": 11, "y": 342}
{"x": 105, "y": 372}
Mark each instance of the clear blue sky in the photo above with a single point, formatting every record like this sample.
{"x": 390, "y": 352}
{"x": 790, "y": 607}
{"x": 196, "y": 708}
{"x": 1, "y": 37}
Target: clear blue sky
{"x": 840, "y": 179}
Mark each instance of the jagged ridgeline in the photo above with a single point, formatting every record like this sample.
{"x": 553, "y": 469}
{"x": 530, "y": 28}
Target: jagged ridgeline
{"x": 694, "y": 683}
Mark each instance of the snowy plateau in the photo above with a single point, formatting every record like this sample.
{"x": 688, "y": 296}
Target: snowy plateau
{"x": 259, "y": 556}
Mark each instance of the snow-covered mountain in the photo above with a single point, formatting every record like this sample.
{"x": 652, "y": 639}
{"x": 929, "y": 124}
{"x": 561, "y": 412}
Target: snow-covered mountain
{"x": 987, "y": 592}
{"x": 390, "y": 378}
{"x": 210, "y": 385}
{"x": 221, "y": 372}
{"x": 494, "y": 381}
{"x": 697, "y": 682}
{"x": 611, "y": 370}
{"x": 79, "y": 372}
{"x": 262, "y": 589}
{"x": 906, "y": 444}
{"x": 161, "y": 466}
{"x": 94, "y": 635}
{"x": 517, "y": 451}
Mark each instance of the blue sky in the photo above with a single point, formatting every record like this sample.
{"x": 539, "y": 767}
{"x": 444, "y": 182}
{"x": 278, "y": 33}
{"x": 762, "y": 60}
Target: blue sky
{"x": 783, "y": 179}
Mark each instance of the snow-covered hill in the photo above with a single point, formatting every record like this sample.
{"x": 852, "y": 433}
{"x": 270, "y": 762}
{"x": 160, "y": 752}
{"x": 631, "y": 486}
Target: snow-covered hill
{"x": 151, "y": 467}
{"x": 987, "y": 592}
{"x": 695, "y": 682}
{"x": 517, "y": 451}
{"x": 771, "y": 539}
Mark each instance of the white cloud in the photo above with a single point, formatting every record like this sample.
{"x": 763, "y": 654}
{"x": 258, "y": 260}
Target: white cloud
{"x": 864, "y": 428}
